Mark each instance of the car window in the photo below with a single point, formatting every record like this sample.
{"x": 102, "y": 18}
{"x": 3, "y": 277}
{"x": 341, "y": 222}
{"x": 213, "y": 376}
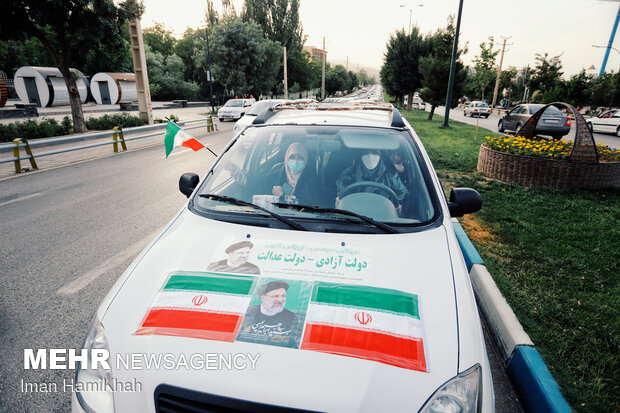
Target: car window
{"x": 258, "y": 107}
{"x": 234, "y": 103}
{"x": 606, "y": 114}
{"x": 552, "y": 111}
{"x": 337, "y": 170}
{"x": 515, "y": 110}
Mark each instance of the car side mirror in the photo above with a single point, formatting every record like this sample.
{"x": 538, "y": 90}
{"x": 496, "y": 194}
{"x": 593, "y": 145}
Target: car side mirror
{"x": 464, "y": 201}
{"x": 187, "y": 183}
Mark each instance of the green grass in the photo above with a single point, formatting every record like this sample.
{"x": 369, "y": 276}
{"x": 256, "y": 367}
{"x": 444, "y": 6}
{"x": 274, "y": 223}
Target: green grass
{"x": 555, "y": 256}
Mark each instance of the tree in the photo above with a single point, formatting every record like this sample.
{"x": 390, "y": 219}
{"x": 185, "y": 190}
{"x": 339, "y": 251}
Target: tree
{"x": 435, "y": 68}
{"x": 485, "y": 71}
{"x": 546, "y": 73}
{"x": 279, "y": 21}
{"x": 243, "y": 60}
{"x": 159, "y": 39}
{"x": 68, "y": 29}
{"x": 336, "y": 80}
{"x": 400, "y": 73}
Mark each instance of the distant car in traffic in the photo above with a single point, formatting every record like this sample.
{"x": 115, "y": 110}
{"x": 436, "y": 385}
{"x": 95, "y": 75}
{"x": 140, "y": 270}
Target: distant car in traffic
{"x": 477, "y": 108}
{"x": 254, "y": 111}
{"x": 552, "y": 122}
{"x": 608, "y": 121}
{"x": 234, "y": 109}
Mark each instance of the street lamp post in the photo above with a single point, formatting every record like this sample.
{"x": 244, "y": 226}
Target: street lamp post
{"x": 455, "y": 48}
{"x": 613, "y": 94}
{"x": 410, "y": 14}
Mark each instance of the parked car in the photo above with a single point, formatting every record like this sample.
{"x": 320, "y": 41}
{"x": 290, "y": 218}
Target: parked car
{"x": 234, "y": 109}
{"x": 289, "y": 282}
{"x": 608, "y": 121}
{"x": 477, "y": 108}
{"x": 552, "y": 122}
{"x": 254, "y": 111}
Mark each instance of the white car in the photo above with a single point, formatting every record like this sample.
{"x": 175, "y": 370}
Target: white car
{"x": 608, "y": 121}
{"x": 477, "y": 108}
{"x": 234, "y": 109}
{"x": 253, "y": 112}
{"x": 315, "y": 268}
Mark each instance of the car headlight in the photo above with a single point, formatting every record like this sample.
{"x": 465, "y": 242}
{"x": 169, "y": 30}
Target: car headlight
{"x": 462, "y": 394}
{"x": 92, "y": 389}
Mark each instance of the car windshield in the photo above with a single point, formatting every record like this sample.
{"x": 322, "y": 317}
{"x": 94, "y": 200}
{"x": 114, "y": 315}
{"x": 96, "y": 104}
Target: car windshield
{"x": 373, "y": 172}
{"x": 550, "y": 111}
{"x": 481, "y": 105}
{"x": 258, "y": 107}
{"x": 234, "y": 103}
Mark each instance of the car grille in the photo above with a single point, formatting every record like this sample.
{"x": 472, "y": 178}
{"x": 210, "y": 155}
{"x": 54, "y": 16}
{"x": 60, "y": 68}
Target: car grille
{"x": 171, "y": 399}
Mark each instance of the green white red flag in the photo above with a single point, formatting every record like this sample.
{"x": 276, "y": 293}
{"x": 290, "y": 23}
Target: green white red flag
{"x": 370, "y": 323}
{"x": 207, "y": 306}
{"x": 175, "y": 136}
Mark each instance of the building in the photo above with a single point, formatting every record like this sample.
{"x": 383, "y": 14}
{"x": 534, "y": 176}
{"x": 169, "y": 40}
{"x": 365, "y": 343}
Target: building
{"x": 45, "y": 86}
{"x": 315, "y": 52}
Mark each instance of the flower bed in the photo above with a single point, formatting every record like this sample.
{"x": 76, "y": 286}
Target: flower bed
{"x": 533, "y": 162}
{"x": 543, "y": 148}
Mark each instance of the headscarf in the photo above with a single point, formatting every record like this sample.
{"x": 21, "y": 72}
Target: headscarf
{"x": 297, "y": 148}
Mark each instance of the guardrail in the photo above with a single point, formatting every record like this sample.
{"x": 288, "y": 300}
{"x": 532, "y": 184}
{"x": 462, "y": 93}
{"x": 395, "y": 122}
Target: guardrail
{"x": 116, "y": 134}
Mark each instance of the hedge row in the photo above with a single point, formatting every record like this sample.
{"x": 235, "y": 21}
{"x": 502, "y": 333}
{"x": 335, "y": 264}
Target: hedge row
{"x": 48, "y": 127}
{"x": 31, "y": 129}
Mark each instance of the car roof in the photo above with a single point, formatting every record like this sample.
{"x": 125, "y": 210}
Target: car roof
{"x": 372, "y": 114}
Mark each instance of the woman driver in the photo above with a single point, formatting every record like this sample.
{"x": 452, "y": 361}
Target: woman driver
{"x": 371, "y": 167}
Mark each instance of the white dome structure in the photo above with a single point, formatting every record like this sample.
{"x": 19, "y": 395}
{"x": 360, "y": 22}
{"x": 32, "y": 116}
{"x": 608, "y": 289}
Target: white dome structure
{"x": 45, "y": 86}
{"x": 113, "y": 88}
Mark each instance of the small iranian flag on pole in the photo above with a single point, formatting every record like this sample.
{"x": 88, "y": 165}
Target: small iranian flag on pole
{"x": 370, "y": 323}
{"x": 207, "y": 306}
{"x": 175, "y": 136}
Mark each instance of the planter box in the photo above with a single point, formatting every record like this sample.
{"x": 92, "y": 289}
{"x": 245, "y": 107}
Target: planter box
{"x": 547, "y": 173}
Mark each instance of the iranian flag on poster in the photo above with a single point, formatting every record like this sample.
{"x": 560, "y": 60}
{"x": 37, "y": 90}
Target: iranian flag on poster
{"x": 370, "y": 323}
{"x": 208, "y": 306}
{"x": 175, "y": 136}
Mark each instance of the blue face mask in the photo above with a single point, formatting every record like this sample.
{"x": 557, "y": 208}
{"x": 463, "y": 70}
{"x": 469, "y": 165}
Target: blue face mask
{"x": 296, "y": 166}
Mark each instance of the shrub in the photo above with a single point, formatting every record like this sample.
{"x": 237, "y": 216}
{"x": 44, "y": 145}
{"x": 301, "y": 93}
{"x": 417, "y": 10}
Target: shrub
{"x": 31, "y": 129}
{"x": 106, "y": 122}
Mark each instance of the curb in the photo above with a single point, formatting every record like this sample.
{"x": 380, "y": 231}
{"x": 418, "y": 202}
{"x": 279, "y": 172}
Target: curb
{"x": 533, "y": 380}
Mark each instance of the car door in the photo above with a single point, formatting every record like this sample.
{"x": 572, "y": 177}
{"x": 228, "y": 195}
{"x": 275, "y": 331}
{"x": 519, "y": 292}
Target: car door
{"x": 603, "y": 121}
{"x": 510, "y": 120}
{"x": 614, "y": 122}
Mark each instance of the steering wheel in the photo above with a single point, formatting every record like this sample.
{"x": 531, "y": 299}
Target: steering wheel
{"x": 384, "y": 188}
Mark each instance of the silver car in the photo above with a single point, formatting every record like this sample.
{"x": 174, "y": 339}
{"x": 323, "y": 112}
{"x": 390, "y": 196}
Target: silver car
{"x": 477, "y": 108}
{"x": 552, "y": 122}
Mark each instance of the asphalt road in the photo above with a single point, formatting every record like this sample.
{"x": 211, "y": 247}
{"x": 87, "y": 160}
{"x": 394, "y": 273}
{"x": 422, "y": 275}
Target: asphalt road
{"x": 88, "y": 221}
{"x": 608, "y": 139}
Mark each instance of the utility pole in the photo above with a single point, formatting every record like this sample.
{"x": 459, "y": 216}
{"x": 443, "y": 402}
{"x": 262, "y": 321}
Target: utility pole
{"x": 139, "y": 67}
{"x": 209, "y": 69}
{"x": 285, "y": 80}
{"x": 347, "y": 63}
{"x": 455, "y": 48}
{"x": 499, "y": 72}
{"x": 323, "y": 75}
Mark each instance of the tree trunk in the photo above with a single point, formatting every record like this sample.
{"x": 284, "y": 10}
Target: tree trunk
{"x": 430, "y": 114}
{"x": 409, "y": 99}
{"x": 74, "y": 98}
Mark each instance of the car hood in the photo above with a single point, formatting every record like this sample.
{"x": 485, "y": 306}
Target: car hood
{"x": 418, "y": 263}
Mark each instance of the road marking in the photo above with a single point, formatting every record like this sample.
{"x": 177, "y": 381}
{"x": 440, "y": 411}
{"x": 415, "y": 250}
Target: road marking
{"x": 176, "y": 153}
{"x": 81, "y": 282}
{"x": 20, "y": 198}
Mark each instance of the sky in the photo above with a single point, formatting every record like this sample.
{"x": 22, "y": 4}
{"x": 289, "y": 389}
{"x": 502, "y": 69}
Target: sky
{"x": 359, "y": 29}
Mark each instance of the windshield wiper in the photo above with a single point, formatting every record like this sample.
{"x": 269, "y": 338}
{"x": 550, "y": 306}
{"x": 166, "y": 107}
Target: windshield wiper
{"x": 231, "y": 200}
{"x": 377, "y": 224}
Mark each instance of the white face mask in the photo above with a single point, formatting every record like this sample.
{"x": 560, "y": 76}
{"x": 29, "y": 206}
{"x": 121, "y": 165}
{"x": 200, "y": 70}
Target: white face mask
{"x": 371, "y": 160}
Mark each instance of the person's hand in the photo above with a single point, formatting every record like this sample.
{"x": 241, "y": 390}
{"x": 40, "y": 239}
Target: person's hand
{"x": 399, "y": 209}
{"x": 241, "y": 178}
{"x": 400, "y": 168}
{"x": 337, "y": 201}
{"x": 277, "y": 190}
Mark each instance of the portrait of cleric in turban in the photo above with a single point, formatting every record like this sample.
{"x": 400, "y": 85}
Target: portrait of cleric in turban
{"x": 237, "y": 261}
{"x": 269, "y": 322}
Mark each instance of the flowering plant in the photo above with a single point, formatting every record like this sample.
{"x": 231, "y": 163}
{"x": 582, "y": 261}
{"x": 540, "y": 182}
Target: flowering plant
{"x": 543, "y": 148}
